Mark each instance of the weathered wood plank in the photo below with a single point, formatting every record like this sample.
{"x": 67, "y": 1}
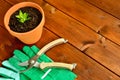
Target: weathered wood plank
{"x": 3, "y": 8}
{"x": 7, "y": 44}
{"x": 5, "y": 40}
{"x": 66, "y": 25}
{"x": 86, "y": 66}
{"x": 110, "y": 6}
{"x": 86, "y": 69}
{"x": 111, "y": 56}
{"x": 90, "y": 16}
{"x": 76, "y": 33}
{"x": 68, "y": 28}
{"x": 12, "y": 2}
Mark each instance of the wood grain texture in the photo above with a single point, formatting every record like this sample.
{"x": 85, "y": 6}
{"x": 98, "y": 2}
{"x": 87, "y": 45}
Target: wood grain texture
{"x": 64, "y": 26}
{"x": 3, "y": 9}
{"x": 86, "y": 68}
{"x": 5, "y": 41}
{"x": 7, "y": 44}
{"x": 77, "y": 34}
{"x": 12, "y": 2}
{"x": 110, "y": 6}
{"x": 91, "y": 16}
{"x": 111, "y": 56}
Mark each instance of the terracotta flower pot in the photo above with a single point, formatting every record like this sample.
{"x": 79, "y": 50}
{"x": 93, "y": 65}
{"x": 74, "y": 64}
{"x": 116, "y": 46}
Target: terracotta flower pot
{"x": 29, "y": 37}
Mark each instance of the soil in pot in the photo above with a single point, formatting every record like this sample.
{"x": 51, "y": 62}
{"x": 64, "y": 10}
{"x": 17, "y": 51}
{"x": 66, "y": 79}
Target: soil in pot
{"x": 35, "y": 18}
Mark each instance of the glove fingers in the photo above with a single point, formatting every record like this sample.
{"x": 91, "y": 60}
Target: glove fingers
{"x": 14, "y": 62}
{"x": 20, "y": 55}
{"x": 8, "y": 73}
{"x": 32, "y": 52}
{"x": 28, "y": 51}
{"x": 57, "y": 74}
{"x": 45, "y": 59}
{"x": 36, "y": 73}
{"x": 35, "y": 49}
{"x": 8, "y": 65}
{"x": 32, "y": 74}
{"x": 5, "y": 79}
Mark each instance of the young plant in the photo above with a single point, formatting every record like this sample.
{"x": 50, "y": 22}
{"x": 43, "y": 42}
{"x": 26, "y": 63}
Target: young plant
{"x": 22, "y": 17}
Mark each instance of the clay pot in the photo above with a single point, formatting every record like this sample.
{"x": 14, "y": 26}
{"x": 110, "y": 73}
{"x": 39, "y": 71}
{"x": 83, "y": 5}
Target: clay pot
{"x": 29, "y": 37}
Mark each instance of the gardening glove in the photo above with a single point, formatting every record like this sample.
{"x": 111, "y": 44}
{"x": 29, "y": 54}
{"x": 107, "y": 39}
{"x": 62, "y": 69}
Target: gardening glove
{"x": 33, "y": 73}
{"x": 55, "y": 74}
{"x": 5, "y": 78}
{"x": 9, "y": 72}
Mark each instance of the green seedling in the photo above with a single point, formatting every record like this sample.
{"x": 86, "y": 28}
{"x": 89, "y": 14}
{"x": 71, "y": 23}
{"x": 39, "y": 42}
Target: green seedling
{"x": 22, "y": 17}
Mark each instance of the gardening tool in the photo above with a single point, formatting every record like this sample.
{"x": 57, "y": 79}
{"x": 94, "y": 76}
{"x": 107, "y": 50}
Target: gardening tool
{"x": 33, "y": 60}
{"x": 34, "y": 73}
{"x": 43, "y": 65}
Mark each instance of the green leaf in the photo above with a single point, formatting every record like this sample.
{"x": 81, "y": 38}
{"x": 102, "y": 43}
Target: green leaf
{"x": 17, "y": 16}
{"x": 20, "y": 13}
{"x": 22, "y": 17}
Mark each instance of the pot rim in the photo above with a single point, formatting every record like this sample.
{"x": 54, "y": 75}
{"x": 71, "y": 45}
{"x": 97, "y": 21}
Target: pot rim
{"x": 18, "y": 6}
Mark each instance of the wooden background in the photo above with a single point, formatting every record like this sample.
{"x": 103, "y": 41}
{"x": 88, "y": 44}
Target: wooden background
{"x": 95, "y": 23}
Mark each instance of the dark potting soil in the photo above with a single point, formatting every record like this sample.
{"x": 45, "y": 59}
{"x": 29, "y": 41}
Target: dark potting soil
{"x": 35, "y": 18}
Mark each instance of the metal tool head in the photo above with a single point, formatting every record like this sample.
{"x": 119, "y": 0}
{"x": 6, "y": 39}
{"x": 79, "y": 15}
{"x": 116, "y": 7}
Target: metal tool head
{"x": 30, "y": 63}
{"x": 37, "y": 64}
{"x": 23, "y": 64}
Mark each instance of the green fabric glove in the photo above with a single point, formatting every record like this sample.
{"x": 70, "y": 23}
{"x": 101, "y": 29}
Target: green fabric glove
{"x": 36, "y": 73}
{"x": 33, "y": 73}
{"x": 5, "y": 79}
{"x": 9, "y": 72}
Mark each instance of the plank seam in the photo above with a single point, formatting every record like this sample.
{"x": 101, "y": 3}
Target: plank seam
{"x": 86, "y": 54}
{"x": 82, "y": 23}
{"x": 2, "y": 27}
{"x": 75, "y": 46}
{"x": 101, "y": 9}
{"x": 8, "y": 2}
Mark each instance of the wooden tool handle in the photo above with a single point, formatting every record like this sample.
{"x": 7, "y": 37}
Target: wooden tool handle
{"x": 57, "y": 64}
{"x": 51, "y": 44}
